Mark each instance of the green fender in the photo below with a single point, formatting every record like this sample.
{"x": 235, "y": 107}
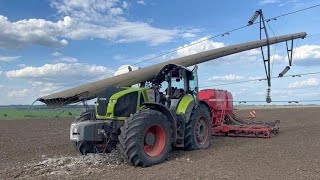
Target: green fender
{"x": 185, "y": 106}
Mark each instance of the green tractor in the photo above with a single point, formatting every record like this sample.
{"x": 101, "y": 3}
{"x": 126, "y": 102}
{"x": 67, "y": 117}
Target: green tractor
{"x": 146, "y": 121}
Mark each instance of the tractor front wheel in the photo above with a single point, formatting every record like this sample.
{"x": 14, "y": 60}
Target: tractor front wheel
{"x": 198, "y": 129}
{"x": 145, "y": 138}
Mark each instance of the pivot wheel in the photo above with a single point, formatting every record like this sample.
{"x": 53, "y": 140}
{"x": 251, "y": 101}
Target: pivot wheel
{"x": 145, "y": 138}
{"x": 198, "y": 129}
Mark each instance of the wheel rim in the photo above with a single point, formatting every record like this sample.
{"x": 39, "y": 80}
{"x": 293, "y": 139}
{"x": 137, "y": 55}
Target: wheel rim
{"x": 154, "y": 140}
{"x": 201, "y": 130}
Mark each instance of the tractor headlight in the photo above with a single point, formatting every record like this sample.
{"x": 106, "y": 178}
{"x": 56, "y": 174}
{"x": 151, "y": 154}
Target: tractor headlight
{"x": 74, "y": 128}
{"x": 114, "y": 101}
{"x": 74, "y": 135}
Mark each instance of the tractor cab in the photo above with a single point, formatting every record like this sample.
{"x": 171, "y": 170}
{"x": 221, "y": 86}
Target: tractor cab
{"x": 173, "y": 82}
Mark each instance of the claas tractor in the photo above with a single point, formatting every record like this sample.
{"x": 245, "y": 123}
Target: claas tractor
{"x": 146, "y": 121}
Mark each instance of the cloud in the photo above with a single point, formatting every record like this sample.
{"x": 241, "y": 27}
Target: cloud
{"x": 307, "y": 55}
{"x": 61, "y": 58}
{"x": 68, "y": 59}
{"x": 246, "y": 57}
{"x": 9, "y": 58}
{"x": 205, "y": 44}
{"x": 188, "y": 35}
{"x": 22, "y": 65}
{"x": 45, "y": 88}
{"x": 119, "y": 57}
{"x": 19, "y": 93}
{"x": 60, "y": 72}
{"x": 86, "y": 19}
{"x": 104, "y": 19}
{"x": 50, "y": 78}
{"x": 264, "y": 2}
{"x": 56, "y": 54}
{"x": 311, "y": 82}
{"x": 125, "y": 5}
{"x": 32, "y": 31}
{"x": 256, "y": 77}
{"x": 125, "y": 69}
{"x": 229, "y": 77}
{"x": 277, "y": 57}
{"x": 88, "y": 9}
{"x": 141, "y": 2}
{"x": 202, "y": 44}
{"x": 307, "y": 52}
{"x": 125, "y": 32}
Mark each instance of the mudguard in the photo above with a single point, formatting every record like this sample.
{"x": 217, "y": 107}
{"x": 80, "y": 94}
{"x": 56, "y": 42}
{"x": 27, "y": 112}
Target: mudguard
{"x": 185, "y": 106}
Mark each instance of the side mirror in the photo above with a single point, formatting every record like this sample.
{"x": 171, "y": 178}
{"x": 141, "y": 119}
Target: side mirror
{"x": 195, "y": 68}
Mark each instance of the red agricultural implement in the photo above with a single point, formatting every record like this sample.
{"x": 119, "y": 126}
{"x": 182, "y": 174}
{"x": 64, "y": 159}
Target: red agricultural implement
{"x": 226, "y": 123}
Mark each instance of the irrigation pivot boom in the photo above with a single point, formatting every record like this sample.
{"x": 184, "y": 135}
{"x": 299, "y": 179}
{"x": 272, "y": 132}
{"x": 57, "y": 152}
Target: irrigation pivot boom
{"x": 92, "y": 90}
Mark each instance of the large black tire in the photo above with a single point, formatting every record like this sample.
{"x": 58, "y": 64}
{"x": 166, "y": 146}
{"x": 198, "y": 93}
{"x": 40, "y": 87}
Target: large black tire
{"x": 145, "y": 138}
{"x": 198, "y": 129}
{"x": 85, "y": 148}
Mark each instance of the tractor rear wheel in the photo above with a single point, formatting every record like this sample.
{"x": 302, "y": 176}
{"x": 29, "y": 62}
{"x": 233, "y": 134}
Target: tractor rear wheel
{"x": 198, "y": 129}
{"x": 145, "y": 138}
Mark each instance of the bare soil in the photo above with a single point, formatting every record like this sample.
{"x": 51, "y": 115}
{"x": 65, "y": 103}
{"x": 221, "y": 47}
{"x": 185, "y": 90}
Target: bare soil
{"x": 40, "y": 149}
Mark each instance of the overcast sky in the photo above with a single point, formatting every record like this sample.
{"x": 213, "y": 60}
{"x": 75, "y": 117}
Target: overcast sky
{"x": 50, "y": 45}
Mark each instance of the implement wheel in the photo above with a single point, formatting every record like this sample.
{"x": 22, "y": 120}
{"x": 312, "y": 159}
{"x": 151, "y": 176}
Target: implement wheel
{"x": 145, "y": 138}
{"x": 198, "y": 129}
